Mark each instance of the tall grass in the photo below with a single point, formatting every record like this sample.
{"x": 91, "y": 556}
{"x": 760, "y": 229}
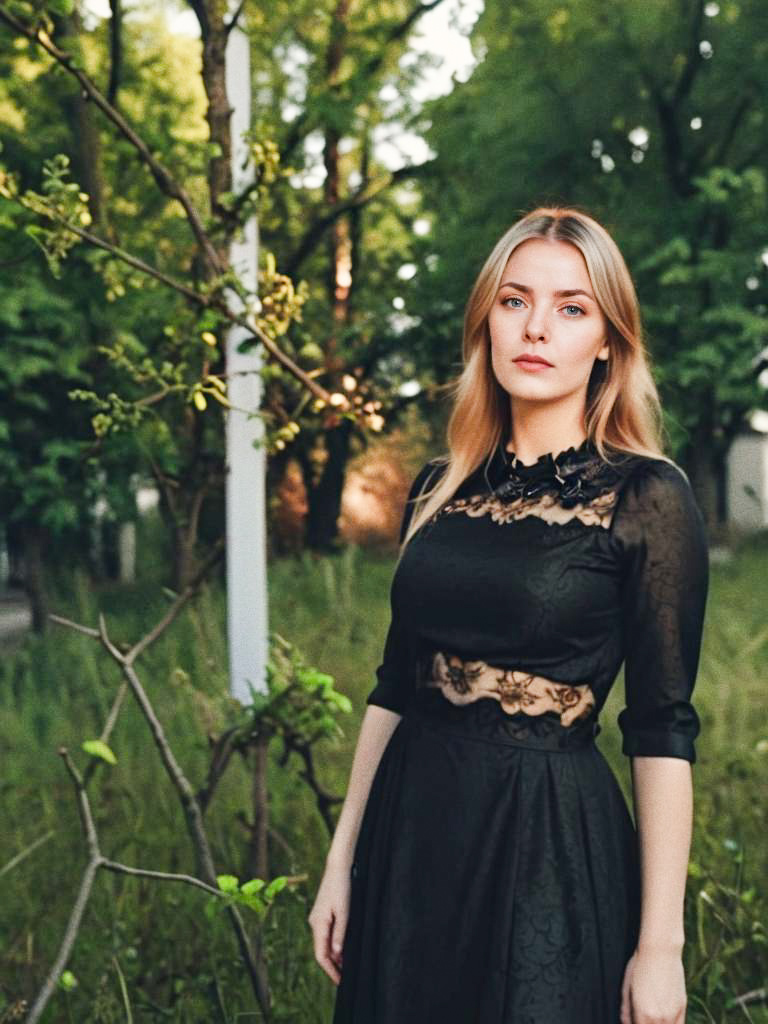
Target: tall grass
{"x": 147, "y": 951}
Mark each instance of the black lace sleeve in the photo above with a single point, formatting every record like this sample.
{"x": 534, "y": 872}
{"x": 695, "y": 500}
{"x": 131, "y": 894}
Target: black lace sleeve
{"x": 664, "y": 593}
{"x": 395, "y": 673}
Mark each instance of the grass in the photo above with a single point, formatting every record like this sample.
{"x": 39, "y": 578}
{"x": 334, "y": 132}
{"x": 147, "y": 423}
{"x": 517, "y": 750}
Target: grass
{"x": 148, "y": 953}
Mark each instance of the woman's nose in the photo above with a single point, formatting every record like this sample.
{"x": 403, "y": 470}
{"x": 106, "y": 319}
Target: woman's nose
{"x": 535, "y": 327}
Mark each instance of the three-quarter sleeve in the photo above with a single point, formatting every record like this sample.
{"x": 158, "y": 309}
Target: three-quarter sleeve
{"x": 664, "y": 592}
{"x": 395, "y": 673}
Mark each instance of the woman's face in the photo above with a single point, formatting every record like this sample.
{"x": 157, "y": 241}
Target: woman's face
{"x": 546, "y": 308}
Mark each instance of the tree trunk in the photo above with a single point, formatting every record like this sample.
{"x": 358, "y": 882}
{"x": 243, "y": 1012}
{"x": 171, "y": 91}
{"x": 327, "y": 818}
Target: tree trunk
{"x": 701, "y": 466}
{"x": 33, "y": 540}
{"x": 325, "y": 498}
{"x": 257, "y": 854}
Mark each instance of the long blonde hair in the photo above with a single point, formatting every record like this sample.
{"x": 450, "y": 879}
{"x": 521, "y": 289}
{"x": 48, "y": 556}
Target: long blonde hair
{"x": 623, "y": 410}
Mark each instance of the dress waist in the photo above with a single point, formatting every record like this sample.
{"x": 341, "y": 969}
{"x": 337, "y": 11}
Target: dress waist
{"x": 504, "y": 705}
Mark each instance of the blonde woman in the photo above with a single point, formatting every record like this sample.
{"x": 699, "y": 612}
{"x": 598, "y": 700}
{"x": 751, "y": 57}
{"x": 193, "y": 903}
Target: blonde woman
{"x": 485, "y": 868}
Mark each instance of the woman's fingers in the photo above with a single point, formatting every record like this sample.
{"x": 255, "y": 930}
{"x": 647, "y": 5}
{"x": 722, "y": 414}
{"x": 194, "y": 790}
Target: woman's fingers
{"x": 328, "y": 920}
{"x": 321, "y": 934}
{"x": 626, "y": 1008}
{"x": 338, "y": 929}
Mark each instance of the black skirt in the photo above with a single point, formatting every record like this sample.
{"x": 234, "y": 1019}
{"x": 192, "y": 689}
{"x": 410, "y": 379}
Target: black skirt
{"x": 495, "y": 877}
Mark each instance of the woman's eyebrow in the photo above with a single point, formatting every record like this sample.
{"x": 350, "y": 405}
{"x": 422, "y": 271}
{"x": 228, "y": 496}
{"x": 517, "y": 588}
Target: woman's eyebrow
{"x": 562, "y": 293}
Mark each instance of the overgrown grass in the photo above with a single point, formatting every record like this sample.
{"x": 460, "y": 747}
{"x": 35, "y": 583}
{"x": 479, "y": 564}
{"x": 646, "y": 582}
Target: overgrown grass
{"x": 179, "y": 966}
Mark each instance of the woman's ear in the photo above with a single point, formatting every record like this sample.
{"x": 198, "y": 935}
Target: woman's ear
{"x": 604, "y": 352}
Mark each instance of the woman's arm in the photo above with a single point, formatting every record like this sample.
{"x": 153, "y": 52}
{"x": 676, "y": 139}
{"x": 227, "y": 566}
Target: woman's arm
{"x": 654, "y": 987}
{"x": 663, "y": 797}
{"x": 328, "y": 917}
{"x": 665, "y": 582}
{"x": 377, "y": 726}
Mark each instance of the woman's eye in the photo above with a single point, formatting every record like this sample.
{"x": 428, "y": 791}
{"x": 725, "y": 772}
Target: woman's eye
{"x": 511, "y": 298}
{"x": 571, "y": 306}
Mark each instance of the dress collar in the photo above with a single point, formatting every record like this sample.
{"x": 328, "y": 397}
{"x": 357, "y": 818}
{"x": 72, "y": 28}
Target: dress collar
{"x": 550, "y": 463}
{"x": 575, "y": 474}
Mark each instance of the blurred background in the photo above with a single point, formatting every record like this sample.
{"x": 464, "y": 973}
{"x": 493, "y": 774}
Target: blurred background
{"x": 391, "y": 143}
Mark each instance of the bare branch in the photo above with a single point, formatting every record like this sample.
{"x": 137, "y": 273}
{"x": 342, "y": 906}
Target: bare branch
{"x": 189, "y": 591}
{"x": 190, "y": 806}
{"x": 84, "y": 806}
{"x": 23, "y": 854}
{"x": 83, "y": 895}
{"x": 74, "y": 625}
{"x": 235, "y": 17}
{"x": 65, "y": 949}
{"x": 161, "y": 876}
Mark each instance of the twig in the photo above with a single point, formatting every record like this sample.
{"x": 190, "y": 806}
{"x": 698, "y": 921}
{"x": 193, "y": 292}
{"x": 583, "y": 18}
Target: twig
{"x": 193, "y": 815}
{"x": 23, "y": 854}
{"x": 61, "y": 621}
{"x": 189, "y": 591}
{"x": 81, "y": 902}
{"x": 757, "y": 995}
{"x": 95, "y": 862}
{"x": 160, "y": 876}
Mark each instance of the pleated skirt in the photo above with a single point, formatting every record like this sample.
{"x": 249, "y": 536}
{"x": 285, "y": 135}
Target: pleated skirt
{"x": 495, "y": 879}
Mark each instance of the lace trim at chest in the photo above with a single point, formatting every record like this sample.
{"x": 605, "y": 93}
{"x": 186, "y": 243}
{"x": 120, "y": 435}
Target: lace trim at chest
{"x": 596, "y": 512}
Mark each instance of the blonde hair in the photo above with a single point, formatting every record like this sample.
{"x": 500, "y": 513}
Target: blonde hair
{"x": 623, "y": 410}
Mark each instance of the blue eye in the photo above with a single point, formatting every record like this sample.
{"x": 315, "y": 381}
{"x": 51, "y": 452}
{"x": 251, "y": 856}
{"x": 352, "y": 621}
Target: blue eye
{"x": 511, "y": 298}
{"x": 572, "y": 306}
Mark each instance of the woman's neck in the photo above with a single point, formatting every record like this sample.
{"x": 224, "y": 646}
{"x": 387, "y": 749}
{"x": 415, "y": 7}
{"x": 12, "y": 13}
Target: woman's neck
{"x": 532, "y": 436}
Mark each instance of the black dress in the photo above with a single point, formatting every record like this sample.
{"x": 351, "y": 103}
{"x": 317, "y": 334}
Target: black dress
{"x": 495, "y": 878}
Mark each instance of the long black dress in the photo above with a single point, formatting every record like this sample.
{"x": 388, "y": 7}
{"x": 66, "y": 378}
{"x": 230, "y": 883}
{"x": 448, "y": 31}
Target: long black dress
{"x": 495, "y": 878}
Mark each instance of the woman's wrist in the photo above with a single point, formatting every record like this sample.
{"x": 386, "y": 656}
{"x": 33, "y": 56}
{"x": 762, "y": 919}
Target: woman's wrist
{"x": 660, "y": 946}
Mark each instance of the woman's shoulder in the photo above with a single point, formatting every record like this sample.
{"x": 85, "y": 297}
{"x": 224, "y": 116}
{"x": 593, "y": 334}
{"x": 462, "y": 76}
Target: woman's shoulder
{"x": 655, "y": 476}
{"x": 429, "y": 473}
{"x": 656, "y": 497}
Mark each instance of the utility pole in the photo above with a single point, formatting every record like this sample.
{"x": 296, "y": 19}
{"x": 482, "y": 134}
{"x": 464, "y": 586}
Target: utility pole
{"x": 247, "y": 610}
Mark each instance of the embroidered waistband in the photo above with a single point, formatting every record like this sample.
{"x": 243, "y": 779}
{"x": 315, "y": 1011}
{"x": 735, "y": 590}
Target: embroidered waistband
{"x": 463, "y": 682}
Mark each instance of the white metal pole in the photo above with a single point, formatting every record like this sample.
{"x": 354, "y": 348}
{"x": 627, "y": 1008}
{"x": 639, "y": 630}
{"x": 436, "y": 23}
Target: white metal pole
{"x": 247, "y": 609}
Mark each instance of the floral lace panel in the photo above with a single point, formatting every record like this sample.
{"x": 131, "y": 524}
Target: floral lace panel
{"x": 463, "y": 682}
{"x": 597, "y": 511}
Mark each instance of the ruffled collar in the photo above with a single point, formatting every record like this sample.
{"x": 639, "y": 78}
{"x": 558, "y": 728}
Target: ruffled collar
{"x": 576, "y": 474}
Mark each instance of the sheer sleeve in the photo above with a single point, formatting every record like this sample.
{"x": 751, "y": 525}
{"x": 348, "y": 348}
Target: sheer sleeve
{"x": 395, "y": 673}
{"x": 664, "y": 593}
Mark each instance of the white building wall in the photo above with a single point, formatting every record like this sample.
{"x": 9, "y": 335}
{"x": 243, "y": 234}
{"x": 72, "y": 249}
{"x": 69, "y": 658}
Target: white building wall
{"x": 748, "y": 481}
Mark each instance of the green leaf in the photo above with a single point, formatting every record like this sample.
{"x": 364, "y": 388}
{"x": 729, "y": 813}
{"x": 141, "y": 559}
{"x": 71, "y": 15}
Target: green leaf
{"x": 97, "y": 748}
{"x": 227, "y": 883}
{"x": 275, "y": 886}
{"x": 253, "y": 887}
{"x": 67, "y": 981}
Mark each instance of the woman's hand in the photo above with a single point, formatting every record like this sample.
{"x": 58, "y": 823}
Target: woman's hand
{"x": 328, "y": 917}
{"x": 654, "y": 989}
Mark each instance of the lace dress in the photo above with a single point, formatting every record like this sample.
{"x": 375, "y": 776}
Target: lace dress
{"x": 495, "y": 878}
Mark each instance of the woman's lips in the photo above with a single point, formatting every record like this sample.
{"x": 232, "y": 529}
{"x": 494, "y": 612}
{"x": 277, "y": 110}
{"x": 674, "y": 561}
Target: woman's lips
{"x": 531, "y": 365}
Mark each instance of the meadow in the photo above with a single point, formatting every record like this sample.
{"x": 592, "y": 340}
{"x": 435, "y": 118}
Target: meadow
{"x": 151, "y": 951}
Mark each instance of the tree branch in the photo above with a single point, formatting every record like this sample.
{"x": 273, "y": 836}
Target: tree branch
{"x": 163, "y": 177}
{"x": 368, "y": 191}
{"x": 81, "y": 901}
{"x": 206, "y": 302}
{"x": 190, "y": 807}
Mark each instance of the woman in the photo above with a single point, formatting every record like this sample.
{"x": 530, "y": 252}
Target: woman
{"x": 485, "y": 868}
